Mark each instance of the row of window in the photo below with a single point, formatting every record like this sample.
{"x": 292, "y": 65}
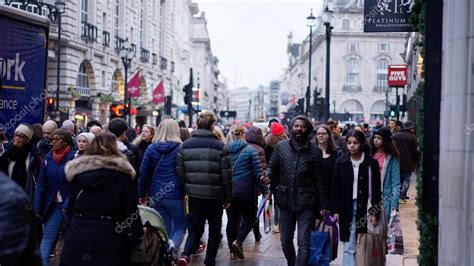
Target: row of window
{"x": 352, "y": 75}
{"x": 381, "y": 47}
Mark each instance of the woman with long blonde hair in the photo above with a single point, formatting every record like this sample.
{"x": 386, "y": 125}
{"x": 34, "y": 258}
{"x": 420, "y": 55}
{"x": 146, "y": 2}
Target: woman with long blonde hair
{"x": 158, "y": 184}
{"x": 144, "y": 139}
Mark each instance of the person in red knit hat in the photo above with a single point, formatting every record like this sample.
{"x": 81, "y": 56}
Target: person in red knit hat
{"x": 277, "y": 129}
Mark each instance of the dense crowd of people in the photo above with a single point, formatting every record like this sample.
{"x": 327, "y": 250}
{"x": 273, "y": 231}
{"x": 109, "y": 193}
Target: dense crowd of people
{"x": 86, "y": 187}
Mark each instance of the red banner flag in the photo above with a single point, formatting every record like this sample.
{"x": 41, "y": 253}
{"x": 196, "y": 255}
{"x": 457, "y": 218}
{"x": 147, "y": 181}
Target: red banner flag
{"x": 134, "y": 86}
{"x": 159, "y": 93}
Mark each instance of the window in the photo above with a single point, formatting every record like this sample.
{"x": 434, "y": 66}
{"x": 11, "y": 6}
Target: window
{"x": 82, "y": 82}
{"x": 352, "y": 47}
{"x": 131, "y": 35}
{"x": 104, "y": 21}
{"x": 382, "y": 72}
{"x": 103, "y": 79}
{"x": 352, "y": 71}
{"x": 116, "y": 17}
{"x": 384, "y": 47}
{"x": 346, "y": 24}
{"x": 84, "y": 10}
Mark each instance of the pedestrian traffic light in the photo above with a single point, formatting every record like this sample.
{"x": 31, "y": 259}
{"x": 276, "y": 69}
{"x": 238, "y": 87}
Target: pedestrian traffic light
{"x": 188, "y": 92}
{"x": 116, "y": 110}
{"x": 300, "y": 106}
{"x": 393, "y": 111}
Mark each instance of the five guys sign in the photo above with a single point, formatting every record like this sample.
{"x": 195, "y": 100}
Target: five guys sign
{"x": 397, "y": 75}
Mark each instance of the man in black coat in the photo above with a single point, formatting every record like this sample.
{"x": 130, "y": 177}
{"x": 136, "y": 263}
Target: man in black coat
{"x": 295, "y": 170}
{"x": 407, "y": 145}
{"x": 204, "y": 169}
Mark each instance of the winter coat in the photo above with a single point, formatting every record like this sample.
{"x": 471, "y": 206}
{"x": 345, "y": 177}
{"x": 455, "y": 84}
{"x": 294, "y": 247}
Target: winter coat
{"x": 254, "y": 136}
{"x": 296, "y": 174}
{"x": 342, "y": 193}
{"x": 33, "y": 167}
{"x": 407, "y": 145}
{"x": 246, "y": 170}
{"x": 204, "y": 167}
{"x": 51, "y": 180}
{"x": 17, "y": 236}
{"x": 158, "y": 177}
{"x": 391, "y": 184}
{"x": 106, "y": 223}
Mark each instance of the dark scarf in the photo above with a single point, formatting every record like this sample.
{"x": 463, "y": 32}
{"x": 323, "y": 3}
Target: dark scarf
{"x": 19, "y": 173}
{"x": 58, "y": 155}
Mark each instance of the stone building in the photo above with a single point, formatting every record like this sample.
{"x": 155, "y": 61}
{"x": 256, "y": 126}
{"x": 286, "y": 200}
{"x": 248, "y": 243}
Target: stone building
{"x": 91, "y": 71}
{"x": 359, "y": 65}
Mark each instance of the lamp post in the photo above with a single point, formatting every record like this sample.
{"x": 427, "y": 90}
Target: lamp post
{"x": 60, "y": 9}
{"x": 127, "y": 54}
{"x": 327, "y": 19}
{"x": 310, "y": 22}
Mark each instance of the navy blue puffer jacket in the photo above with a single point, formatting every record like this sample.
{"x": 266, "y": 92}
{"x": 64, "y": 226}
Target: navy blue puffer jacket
{"x": 246, "y": 170}
{"x": 158, "y": 178}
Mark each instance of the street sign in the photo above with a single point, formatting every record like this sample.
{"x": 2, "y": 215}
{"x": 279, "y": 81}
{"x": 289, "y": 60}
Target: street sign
{"x": 397, "y": 75}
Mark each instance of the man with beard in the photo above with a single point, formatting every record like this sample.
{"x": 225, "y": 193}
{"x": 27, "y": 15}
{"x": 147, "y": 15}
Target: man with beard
{"x": 21, "y": 161}
{"x": 295, "y": 170}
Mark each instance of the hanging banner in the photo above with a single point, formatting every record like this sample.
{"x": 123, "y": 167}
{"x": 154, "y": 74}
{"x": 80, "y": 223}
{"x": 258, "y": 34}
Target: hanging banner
{"x": 134, "y": 86}
{"x": 397, "y": 75}
{"x": 388, "y": 15}
{"x": 23, "y": 59}
{"x": 159, "y": 94}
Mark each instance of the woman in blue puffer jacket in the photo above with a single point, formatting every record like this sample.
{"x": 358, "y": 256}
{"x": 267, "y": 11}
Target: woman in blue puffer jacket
{"x": 246, "y": 174}
{"x": 158, "y": 184}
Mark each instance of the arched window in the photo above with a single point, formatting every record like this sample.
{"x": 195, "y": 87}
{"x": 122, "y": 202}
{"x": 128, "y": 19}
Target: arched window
{"x": 117, "y": 84}
{"x": 82, "y": 82}
{"x": 382, "y": 72}
{"x": 346, "y": 24}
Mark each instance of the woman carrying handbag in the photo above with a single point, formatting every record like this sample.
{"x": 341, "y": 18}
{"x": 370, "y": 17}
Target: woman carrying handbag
{"x": 350, "y": 194}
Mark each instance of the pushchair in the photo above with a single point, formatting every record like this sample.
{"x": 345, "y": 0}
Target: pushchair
{"x": 156, "y": 248}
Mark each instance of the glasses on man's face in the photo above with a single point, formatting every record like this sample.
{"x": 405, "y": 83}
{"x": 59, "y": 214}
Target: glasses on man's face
{"x": 20, "y": 136}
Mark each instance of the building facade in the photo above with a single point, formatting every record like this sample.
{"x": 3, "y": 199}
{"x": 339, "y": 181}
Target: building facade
{"x": 359, "y": 65}
{"x": 92, "y": 74}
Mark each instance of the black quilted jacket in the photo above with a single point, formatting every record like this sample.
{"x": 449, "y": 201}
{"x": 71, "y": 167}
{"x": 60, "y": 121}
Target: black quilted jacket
{"x": 296, "y": 176}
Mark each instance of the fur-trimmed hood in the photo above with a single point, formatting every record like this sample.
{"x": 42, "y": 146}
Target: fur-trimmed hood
{"x": 87, "y": 163}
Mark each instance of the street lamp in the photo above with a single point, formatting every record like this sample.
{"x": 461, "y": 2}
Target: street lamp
{"x": 327, "y": 19}
{"x": 127, "y": 54}
{"x": 60, "y": 9}
{"x": 310, "y": 22}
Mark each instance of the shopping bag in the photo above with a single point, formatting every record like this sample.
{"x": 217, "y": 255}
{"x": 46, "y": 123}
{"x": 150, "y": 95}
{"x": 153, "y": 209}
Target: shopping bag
{"x": 370, "y": 249}
{"x": 320, "y": 246}
{"x": 333, "y": 230}
{"x": 394, "y": 235}
{"x": 267, "y": 219}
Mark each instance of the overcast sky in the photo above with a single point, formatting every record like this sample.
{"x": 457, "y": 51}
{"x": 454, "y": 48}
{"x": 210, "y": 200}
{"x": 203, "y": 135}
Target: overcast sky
{"x": 250, "y": 36}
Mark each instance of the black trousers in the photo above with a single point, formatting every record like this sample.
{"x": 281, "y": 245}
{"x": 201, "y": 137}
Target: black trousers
{"x": 201, "y": 210}
{"x": 237, "y": 229}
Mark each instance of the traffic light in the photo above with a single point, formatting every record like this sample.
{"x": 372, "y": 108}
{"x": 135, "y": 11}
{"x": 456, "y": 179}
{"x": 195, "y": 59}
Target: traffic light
{"x": 168, "y": 105}
{"x": 50, "y": 104}
{"x": 393, "y": 111}
{"x": 300, "y": 106}
{"x": 116, "y": 110}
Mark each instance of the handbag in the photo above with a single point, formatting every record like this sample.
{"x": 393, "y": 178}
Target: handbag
{"x": 394, "y": 235}
{"x": 333, "y": 235}
{"x": 320, "y": 246}
{"x": 380, "y": 228}
{"x": 371, "y": 246}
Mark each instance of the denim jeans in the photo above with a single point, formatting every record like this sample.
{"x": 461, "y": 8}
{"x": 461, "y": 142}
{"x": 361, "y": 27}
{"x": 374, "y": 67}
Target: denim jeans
{"x": 237, "y": 228}
{"x": 51, "y": 232}
{"x": 349, "y": 256}
{"x": 172, "y": 211}
{"x": 201, "y": 210}
{"x": 405, "y": 184}
{"x": 288, "y": 220}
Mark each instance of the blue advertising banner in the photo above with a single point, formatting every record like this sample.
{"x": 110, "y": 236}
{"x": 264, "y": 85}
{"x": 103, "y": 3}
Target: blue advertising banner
{"x": 23, "y": 48}
{"x": 388, "y": 15}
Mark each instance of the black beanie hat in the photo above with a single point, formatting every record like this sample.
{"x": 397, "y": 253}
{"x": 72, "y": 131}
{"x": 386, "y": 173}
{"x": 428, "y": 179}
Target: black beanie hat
{"x": 384, "y": 133}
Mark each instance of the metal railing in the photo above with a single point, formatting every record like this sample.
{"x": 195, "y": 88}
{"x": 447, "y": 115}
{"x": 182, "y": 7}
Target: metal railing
{"x": 88, "y": 32}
